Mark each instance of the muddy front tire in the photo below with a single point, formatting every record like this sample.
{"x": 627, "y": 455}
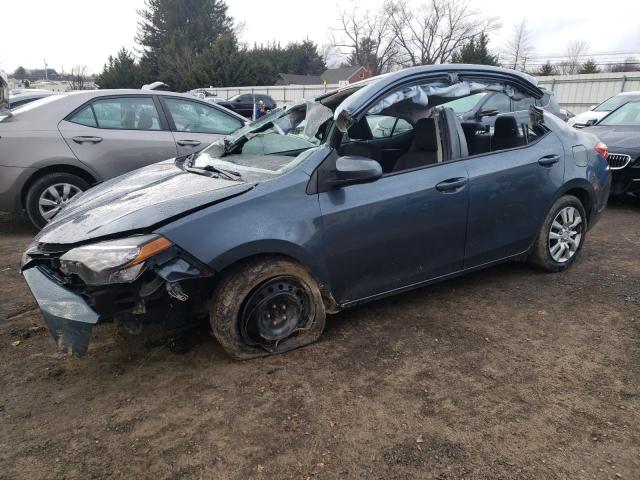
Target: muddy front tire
{"x": 266, "y": 306}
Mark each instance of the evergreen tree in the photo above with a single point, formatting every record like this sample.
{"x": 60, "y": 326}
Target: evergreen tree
{"x": 224, "y": 64}
{"x": 173, "y": 33}
{"x": 475, "y": 51}
{"x": 20, "y": 73}
{"x": 547, "y": 69}
{"x": 120, "y": 72}
{"x": 589, "y": 67}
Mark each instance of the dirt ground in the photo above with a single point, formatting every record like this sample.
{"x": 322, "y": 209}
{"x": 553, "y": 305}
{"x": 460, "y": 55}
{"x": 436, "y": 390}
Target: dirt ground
{"x": 507, "y": 373}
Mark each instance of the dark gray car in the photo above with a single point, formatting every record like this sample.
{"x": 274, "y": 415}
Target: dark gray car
{"x": 54, "y": 148}
{"x": 264, "y": 246}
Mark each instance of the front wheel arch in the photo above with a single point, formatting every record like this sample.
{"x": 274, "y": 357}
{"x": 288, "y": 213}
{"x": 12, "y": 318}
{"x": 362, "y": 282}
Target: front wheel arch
{"x": 329, "y": 301}
{"x": 238, "y": 285}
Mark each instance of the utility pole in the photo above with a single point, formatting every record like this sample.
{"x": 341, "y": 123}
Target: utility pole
{"x": 45, "y": 70}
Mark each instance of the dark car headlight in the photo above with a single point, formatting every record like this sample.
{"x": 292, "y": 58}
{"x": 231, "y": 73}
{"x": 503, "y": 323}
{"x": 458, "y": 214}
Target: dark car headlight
{"x": 113, "y": 261}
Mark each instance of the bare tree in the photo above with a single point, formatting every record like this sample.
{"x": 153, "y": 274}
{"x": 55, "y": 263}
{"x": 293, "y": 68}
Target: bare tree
{"x": 574, "y": 52}
{"x": 432, "y": 32}
{"x": 519, "y": 47}
{"x": 79, "y": 77}
{"x": 368, "y": 39}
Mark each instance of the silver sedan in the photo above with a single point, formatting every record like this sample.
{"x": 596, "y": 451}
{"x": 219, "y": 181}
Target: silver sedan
{"x": 54, "y": 148}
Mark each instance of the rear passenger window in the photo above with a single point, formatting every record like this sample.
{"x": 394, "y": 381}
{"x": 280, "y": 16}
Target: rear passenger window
{"x": 137, "y": 113}
{"x": 84, "y": 117}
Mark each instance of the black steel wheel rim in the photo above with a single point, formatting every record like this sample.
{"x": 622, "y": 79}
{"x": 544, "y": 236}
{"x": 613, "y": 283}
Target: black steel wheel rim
{"x": 276, "y": 310}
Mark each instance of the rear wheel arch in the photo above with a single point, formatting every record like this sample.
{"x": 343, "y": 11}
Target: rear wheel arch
{"x": 58, "y": 168}
{"x": 584, "y": 192}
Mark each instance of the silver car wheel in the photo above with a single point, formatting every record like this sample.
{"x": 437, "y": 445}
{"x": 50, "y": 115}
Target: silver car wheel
{"x": 54, "y": 198}
{"x": 565, "y": 234}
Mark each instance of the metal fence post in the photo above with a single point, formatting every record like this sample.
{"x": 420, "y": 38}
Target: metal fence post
{"x": 624, "y": 82}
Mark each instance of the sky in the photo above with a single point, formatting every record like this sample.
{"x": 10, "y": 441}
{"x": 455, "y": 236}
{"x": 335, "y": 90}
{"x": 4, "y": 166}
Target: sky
{"x": 85, "y": 32}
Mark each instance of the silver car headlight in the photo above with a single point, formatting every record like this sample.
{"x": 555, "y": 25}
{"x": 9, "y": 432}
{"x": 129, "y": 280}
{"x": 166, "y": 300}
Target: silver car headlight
{"x": 113, "y": 261}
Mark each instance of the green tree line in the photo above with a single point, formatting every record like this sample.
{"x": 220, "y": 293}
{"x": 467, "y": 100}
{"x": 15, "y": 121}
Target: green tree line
{"x": 192, "y": 43}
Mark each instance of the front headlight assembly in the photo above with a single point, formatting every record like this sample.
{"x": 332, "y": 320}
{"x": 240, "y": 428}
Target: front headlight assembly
{"x": 113, "y": 261}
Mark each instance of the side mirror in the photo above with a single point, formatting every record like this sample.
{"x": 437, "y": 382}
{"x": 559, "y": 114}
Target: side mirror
{"x": 591, "y": 121}
{"x": 487, "y": 113}
{"x": 352, "y": 169}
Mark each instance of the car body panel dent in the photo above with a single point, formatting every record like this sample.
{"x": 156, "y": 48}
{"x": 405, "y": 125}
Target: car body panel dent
{"x": 292, "y": 227}
{"x": 135, "y": 202}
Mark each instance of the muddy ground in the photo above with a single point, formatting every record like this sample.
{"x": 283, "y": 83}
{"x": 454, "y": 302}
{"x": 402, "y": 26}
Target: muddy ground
{"x": 507, "y": 373}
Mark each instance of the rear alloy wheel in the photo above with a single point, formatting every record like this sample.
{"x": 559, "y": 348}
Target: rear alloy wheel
{"x": 266, "y": 306}
{"x": 561, "y": 236}
{"x": 50, "y": 194}
{"x": 565, "y": 234}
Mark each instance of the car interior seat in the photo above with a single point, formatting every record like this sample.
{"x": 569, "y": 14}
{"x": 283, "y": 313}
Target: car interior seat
{"x": 424, "y": 148}
{"x": 506, "y": 133}
{"x": 478, "y": 140}
{"x": 358, "y": 134}
{"x": 145, "y": 120}
{"x": 129, "y": 119}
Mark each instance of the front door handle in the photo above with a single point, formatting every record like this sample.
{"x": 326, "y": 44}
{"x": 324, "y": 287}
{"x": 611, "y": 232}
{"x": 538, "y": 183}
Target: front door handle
{"x": 452, "y": 184}
{"x": 82, "y": 139}
{"x": 549, "y": 160}
{"x": 188, "y": 143}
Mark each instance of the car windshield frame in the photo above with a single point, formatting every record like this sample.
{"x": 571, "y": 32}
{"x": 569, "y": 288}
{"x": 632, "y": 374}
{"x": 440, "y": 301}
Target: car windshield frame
{"x": 613, "y": 103}
{"x": 222, "y": 153}
{"x": 621, "y": 111}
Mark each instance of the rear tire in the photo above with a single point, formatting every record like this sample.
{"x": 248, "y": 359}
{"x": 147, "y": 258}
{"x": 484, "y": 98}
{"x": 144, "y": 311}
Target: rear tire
{"x": 49, "y": 193}
{"x": 561, "y": 236}
{"x": 266, "y": 306}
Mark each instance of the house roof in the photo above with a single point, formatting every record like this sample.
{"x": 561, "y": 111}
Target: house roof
{"x": 336, "y": 75}
{"x": 332, "y": 76}
{"x": 293, "y": 79}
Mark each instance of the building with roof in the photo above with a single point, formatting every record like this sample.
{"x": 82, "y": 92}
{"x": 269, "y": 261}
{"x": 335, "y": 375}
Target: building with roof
{"x": 331, "y": 76}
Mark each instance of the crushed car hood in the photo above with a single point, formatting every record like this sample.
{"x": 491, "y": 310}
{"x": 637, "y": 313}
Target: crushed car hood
{"x": 137, "y": 201}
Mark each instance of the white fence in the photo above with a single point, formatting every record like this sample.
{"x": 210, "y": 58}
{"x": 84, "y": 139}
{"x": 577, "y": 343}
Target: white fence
{"x": 280, "y": 93}
{"x": 574, "y": 92}
{"x": 578, "y": 92}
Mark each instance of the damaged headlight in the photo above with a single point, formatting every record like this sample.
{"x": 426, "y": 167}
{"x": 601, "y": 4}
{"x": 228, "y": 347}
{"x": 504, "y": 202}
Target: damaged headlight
{"x": 113, "y": 261}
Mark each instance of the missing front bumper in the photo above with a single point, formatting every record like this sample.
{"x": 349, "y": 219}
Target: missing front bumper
{"x": 69, "y": 318}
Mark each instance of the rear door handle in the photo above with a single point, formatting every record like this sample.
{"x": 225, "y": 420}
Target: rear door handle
{"x": 188, "y": 143}
{"x": 452, "y": 184}
{"x": 549, "y": 160}
{"x": 82, "y": 139}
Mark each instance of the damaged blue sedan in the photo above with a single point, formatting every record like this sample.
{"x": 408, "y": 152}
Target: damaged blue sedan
{"x": 363, "y": 192}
